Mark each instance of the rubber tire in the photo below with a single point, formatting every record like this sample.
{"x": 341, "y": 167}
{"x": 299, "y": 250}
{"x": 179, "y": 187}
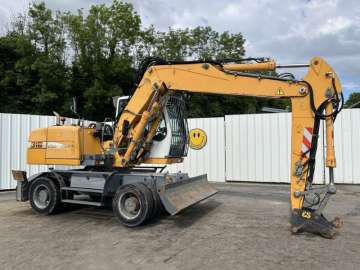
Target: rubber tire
{"x": 55, "y": 204}
{"x": 157, "y": 204}
{"x": 149, "y": 195}
{"x": 145, "y": 197}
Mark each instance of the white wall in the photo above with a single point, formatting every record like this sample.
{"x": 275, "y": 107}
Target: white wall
{"x": 209, "y": 160}
{"x": 347, "y": 147}
{"x": 258, "y": 148}
{"x": 240, "y": 148}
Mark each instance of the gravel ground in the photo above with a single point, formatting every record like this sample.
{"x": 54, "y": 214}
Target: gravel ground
{"x": 245, "y": 226}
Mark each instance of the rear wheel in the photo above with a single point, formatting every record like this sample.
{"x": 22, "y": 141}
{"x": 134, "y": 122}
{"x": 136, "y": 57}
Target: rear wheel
{"x": 133, "y": 204}
{"x": 44, "y": 196}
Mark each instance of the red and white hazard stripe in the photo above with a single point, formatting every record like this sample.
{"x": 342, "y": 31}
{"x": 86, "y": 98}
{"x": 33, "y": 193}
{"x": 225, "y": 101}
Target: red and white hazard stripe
{"x": 306, "y": 143}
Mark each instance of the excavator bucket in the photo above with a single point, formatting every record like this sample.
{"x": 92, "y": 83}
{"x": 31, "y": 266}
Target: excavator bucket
{"x": 176, "y": 196}
{"x": 310, "y": 221}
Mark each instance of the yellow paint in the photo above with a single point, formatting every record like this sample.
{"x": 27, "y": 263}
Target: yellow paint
{"x": 306, "y": 214}
{"x": 302, "y": 116}
{"x": 197, "y": 138}
{"x": 330, "y": 148}
{"x": 163, "y": 160}
{"x": 62, "y": 145}
{"x": 265, "y": 66}
{"x": 280, "y": 92}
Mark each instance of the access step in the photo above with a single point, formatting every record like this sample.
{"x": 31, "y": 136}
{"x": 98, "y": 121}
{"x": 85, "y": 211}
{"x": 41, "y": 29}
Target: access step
{"x": 84, "y": 190}
{"x": 82, "y": 202}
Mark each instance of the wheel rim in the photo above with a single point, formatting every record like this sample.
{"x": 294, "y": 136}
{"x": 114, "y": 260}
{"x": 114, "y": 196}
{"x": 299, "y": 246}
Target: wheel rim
{"x": 129, "y": 205}
{"x": 41, "y": 196}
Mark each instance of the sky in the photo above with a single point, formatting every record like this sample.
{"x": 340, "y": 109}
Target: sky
{"x": 289, "y": 31}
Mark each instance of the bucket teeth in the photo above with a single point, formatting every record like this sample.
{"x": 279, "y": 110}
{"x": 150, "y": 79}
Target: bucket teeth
{"x": 337, "y": 223}
{"x": 308, "y": 221}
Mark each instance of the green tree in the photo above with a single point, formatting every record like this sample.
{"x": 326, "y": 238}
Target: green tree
{"x": 353, "y": 100}
{"x": 172, "y": 45}
{"x": 207, "y": 44}
{"x": 102, "y": 65}
{"x": 230, "y": 46}
{"x": 16, "y": 76}
{"x": 46, "y": 34}
{"x": 48, "y": 58}
{"x": 33, "y": 74}
{"x": 204, "y": 43}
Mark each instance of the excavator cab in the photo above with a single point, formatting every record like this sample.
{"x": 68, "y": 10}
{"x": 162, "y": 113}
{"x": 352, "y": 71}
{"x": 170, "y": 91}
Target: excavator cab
{"x": 171, "y": 135}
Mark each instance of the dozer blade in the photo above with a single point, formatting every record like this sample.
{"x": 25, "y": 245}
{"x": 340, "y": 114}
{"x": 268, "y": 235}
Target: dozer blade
{"x": 182, "y": 194}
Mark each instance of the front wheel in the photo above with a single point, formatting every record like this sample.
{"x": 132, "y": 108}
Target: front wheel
{"x": 133, "y": 204}
{"x": 44, "y": 196}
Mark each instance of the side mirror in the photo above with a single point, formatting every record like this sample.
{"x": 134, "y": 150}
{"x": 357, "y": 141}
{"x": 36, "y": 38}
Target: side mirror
{"x": 73, "y": 106}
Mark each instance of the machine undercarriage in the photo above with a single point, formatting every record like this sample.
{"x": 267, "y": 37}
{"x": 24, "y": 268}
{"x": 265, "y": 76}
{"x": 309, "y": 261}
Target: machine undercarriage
{"x": 136, "y": 195}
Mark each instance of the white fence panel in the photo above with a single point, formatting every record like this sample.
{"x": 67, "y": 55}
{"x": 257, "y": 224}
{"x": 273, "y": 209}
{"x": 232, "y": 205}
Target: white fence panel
{"x": 252, "y": 148}
{"x": 347, "y": 147}
{"x": 258, "y": 148}
{"x": 209, "y": 160}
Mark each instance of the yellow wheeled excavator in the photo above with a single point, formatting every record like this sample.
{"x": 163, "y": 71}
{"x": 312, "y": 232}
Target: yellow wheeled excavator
{"x": 151, "y": 128}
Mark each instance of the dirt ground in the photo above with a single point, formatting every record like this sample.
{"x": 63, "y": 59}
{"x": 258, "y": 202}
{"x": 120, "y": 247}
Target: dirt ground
{"x": 245, "y": 226}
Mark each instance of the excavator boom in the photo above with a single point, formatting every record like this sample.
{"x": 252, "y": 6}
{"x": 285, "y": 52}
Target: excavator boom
{"x": 315, "y": 98}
